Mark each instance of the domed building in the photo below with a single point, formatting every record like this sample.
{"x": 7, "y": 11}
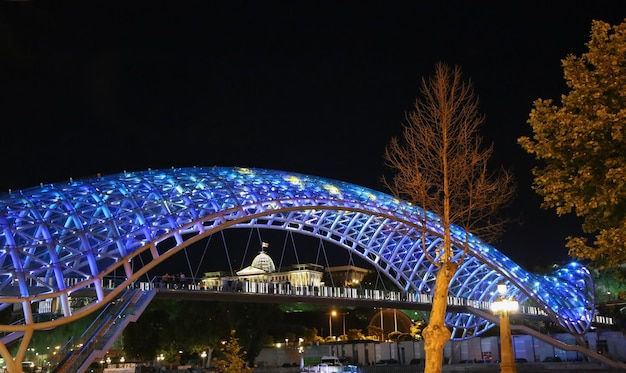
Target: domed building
{"x": 263, "y": 261}
{"x": 263, "y": 271}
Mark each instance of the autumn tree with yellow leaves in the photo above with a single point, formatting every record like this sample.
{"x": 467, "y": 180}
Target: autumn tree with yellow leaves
{"x": 231, "y": 357}
{"x": 581, "y": 146}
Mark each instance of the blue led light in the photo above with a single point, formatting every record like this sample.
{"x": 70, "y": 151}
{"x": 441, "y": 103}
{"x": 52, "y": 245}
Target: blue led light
{"x": 81, "y": 228}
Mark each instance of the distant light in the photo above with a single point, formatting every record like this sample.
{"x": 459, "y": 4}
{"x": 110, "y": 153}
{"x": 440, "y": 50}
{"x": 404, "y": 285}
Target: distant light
{"x": 502, "y": 288}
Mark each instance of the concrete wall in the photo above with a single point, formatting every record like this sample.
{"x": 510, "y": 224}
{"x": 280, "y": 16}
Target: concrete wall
{"x": 361, "y": 353}
{"x": 366, "y": 353}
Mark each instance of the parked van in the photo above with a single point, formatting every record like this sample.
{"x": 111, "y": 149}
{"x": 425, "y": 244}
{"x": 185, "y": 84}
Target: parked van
{"x": 28, "y": 367}
{"x": 331, "y": 360}
{"x": 327, "y": 364}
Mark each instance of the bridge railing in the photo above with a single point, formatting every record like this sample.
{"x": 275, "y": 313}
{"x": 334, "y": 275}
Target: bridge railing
{"x": 328, "y": 292}
{"x": 347, "y": 293}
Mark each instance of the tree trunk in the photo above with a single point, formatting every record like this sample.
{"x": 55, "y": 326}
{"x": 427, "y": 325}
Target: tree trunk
{"x": 436, "y": 334}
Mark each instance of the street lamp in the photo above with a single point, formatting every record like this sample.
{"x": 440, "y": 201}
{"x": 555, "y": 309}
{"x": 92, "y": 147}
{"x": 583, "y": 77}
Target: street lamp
{"x": 330, "y": 322}
{"x": 203, "y": 356}
{"x": 332, "y": 314}
{"x": 503, "y": 307}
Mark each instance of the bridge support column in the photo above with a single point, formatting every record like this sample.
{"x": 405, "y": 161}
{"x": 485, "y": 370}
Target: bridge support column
{"x": 14, "y": 364}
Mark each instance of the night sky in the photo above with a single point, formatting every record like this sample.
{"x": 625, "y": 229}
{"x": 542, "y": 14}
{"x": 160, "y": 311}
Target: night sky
{"x": 316, "y": 87}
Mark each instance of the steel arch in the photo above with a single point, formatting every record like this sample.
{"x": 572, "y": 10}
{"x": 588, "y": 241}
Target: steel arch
{"x": 85, "y": 229}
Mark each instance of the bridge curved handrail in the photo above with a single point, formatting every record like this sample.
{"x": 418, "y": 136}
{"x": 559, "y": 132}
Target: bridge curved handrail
{"x": 410, "y": 299}
{"x": 81, "y": 229}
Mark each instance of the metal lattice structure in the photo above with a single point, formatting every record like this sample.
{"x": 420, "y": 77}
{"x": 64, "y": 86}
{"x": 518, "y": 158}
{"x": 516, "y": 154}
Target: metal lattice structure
{"x": 86, "y": 229}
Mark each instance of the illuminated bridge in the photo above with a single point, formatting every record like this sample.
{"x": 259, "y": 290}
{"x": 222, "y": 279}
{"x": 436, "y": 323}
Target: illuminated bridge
{"x": 91, "y": 228}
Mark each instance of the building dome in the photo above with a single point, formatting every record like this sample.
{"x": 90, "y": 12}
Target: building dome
{"x": 264, "y": 262}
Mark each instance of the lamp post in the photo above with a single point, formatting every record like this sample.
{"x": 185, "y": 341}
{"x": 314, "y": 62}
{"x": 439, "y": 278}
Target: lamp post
{"x": 382, "y": 326}
{"x": 503, "y": 307}
{"x": 330, "y": 322}
{"x": 203, "y": 356}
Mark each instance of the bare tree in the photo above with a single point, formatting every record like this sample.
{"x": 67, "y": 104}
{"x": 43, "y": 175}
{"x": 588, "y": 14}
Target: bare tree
{"x": 441, "y": 165}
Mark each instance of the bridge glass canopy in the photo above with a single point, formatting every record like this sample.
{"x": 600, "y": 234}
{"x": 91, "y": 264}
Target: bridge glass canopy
{"x": 85, "y": 229}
